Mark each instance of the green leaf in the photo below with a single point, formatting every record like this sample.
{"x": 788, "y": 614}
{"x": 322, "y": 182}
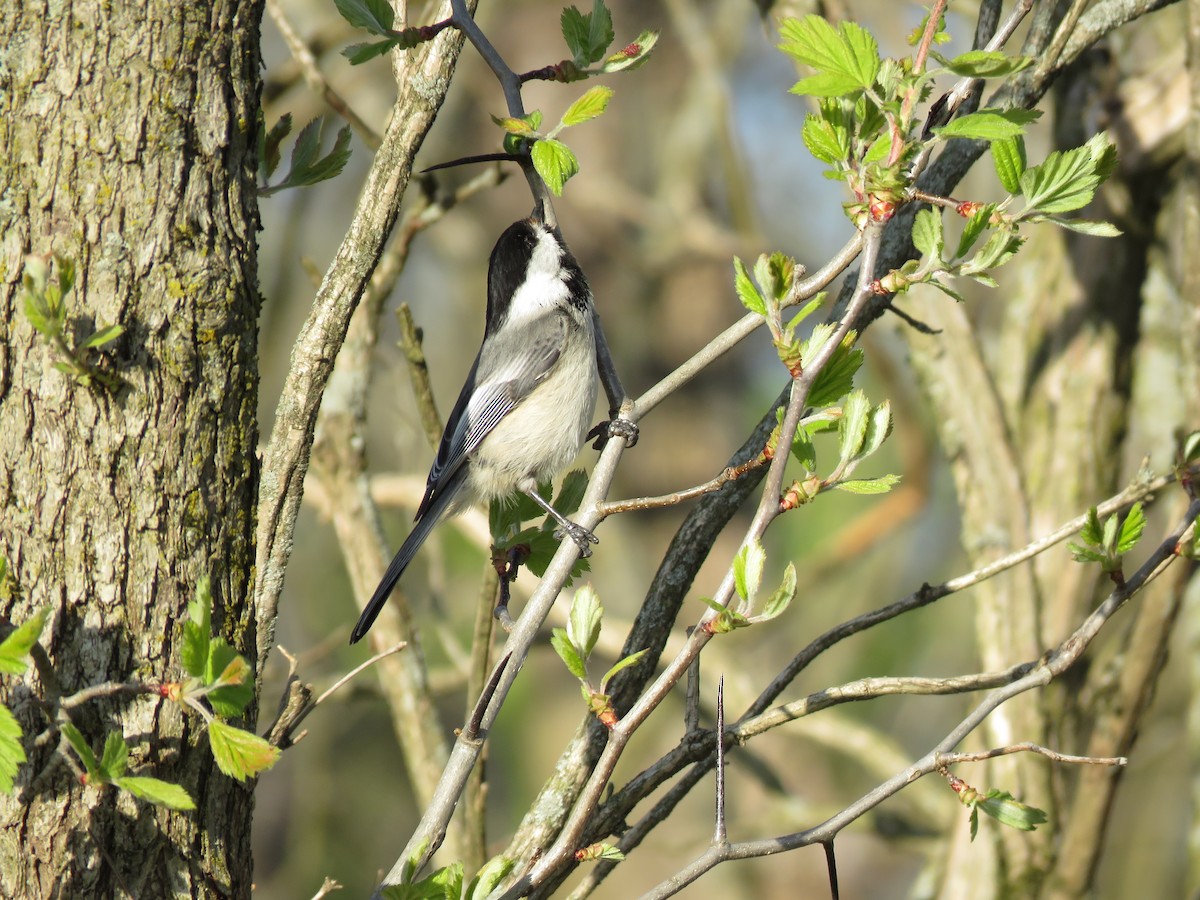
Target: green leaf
{"x": 583, "y": 623}
{"x": 779, "y": 601}
{"x": 1085, "y": 554}
{"x": 825, "y": 84}
{"x": 239, "y": 754}
{"x": 989, "y": 124}
{"x": 804, "y": 450}
{"x": 927, "y": 233}
{"x": 610, "y": 852}
{"x": 360, "y": 53}
{"x": 824, "y": 141}
{"x": 748, "y": 570}
{"x": 12, "y": 754}
{"x": 1009, "y": 158}
{"x": 806, "y": 310}
{"x": 852, "y": 428}
{"x": 1001, "y": 247}
{"x": 570, "y": 495}
{"x": 1085, "y": 226}
{"x": 82, "y": 750}
{"x": 1092, "y": 532}
{"x": 589, "y": 106}
{"x": 1131, "y": 529}
{"x": 631, "y": 660}
{"x": 1068, "y": 180}
{"x": 375, "y": 16}
{"x": 837, "y": 377}
{"x": 555, "y": 162}
{"x": 587, "y": 36}
{"x": 487, "y": 879}
{"x": 774, "y": 273}
{"x": 746, "y": 291}
{"x": 15, "y": 648}
{"x": 946, "y": 289}
{"x": 104, "y": 336}
{"x": 632, "y": 55}
{"x": 974, "y": 819}
{"x": 197, "y": 631}
{"x": 115, "y": 758}
{"x": 236, "y": 689}
{"x": 156, "y": 791}
{"x": 880, "y": 485}
{"x": 270, "y": 141}
{"x": 1002, "y": 807}
{"x": 879, "y": 426}
{"x": 987, "y": 64}
{"x": 306, "y": 169}
{"x": 849, "y": 53}
{"x": 976, "y": 225}
{"x": 65, "y": 267}
{"x": 567, "y": 653}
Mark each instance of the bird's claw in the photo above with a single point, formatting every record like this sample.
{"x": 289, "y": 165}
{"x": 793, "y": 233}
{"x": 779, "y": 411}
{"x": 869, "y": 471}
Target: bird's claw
{"x": 611, "y": 428}
{"x": 581, "y": 536}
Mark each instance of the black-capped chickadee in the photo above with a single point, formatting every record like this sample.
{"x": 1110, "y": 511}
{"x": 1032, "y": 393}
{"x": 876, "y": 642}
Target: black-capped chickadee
{"x": 529, "y": 398}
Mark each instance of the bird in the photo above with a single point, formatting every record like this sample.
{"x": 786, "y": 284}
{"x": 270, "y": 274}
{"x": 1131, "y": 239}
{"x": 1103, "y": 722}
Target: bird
{"x": 528, "y": 401}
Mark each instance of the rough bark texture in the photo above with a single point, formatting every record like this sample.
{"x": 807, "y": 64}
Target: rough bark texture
{"x": 126, "y": 144}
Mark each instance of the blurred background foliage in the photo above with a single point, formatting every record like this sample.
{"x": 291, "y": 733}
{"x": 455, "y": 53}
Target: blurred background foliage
{"x": 697, "y": 159}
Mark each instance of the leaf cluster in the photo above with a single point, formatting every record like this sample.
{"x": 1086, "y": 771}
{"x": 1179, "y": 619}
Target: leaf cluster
{"x": 110, "y": 768}
{"x": 1106, "y": 543}
{"x": 307, "y": 166}
{"x": 449, "y": 882}
{"x": 44, "y": 302}
{"x": 574, "y": 645}
{"x": 748, "y": 568}
{"x": 14, "y": 660}
{"x": 220, "y": 677}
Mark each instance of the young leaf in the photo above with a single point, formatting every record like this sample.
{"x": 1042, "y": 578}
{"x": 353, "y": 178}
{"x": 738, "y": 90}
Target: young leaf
{"x": 1084, "y": 226}
{"x": 360, "y": 53}
{"x": 587, "y": 36}
{"x": 12, "y": 754}
{"x": 15, "y": 648}
{"x": 837, "y": 378}
{"x": 852, "y": 427}
{"x": 239, "y": 754}
{"x": 555, "y": 162}
{"x": 589, "y": 106}
{"x": 197, "y": 631}
{"x": 880, "y": 485}
{"x": 746, "y": 291}
{"x": 631, "y": 660}
{"x": 1009, "y": 157}
{"x": 1084, "y": 554}
{"x": 104, "y": 336}
{"x": 233, "y": 674}
{"x": 987, "y": 64}
{"x": 115, "y": 758}
{"x": 583, "y": 623}
{"x": 567, "y": 653}
{"x": 989, "y": 124}
{"x": 879, "y": 426}
{"x": 632, "y": 55}
{"x": 374, "y": 16}
{"x": 748, "y": 569}
{"x": 1002, "y": 807}
{"x": 825, "y": 142}
{"x": 487, "y": 879}
{"x": 82, "y": 750}
{"x": 976, "y": 225}
{"x": 1092, "y": 532}
{"x": 1131, "y": 529}
{"x": 927, "y": 233}
{"x": 1068, "y": 180}
{"x": 848, "y": 57}
{"x": 779, "y": 601}
{"x": 156, "y": 791}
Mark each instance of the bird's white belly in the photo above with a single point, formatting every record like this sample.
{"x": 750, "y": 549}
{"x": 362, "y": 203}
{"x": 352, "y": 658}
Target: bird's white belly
{"x": 537, "y": 440}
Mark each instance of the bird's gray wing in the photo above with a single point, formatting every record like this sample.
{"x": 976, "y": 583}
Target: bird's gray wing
{"x": 510, "y": 365}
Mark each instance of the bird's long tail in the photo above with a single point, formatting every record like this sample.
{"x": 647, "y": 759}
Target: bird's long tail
{"x": 403, "y": 557}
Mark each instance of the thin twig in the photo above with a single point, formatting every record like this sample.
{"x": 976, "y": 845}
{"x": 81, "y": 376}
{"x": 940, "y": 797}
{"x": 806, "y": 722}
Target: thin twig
{"x": 951, "y": 759}
{"x": 315, "y": 80}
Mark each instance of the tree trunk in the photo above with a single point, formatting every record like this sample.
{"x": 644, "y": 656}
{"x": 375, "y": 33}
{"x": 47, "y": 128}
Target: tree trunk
{"x": 128, "y": 146}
